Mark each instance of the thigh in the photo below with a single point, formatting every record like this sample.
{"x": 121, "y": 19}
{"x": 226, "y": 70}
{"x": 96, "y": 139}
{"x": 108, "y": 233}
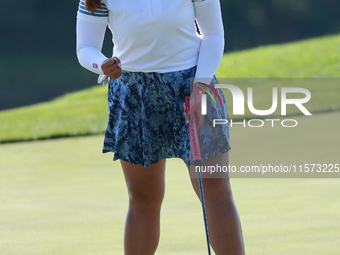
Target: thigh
{"x": 215, "y": 167}
{"x": 146, "y": 185}
{"x": 216, "y": 184}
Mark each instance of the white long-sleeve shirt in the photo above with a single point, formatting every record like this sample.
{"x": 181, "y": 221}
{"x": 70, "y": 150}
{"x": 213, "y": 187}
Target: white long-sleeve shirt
{"x": 153, "y": 35}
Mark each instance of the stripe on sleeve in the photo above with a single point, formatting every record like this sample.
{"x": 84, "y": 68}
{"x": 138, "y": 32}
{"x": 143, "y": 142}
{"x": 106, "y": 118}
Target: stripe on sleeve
{"x": 200, "y": 2}
{"x": 98, "y": 12}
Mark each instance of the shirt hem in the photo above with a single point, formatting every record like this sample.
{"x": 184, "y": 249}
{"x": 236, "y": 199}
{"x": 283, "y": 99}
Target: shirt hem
{"x": 162, "y": 70}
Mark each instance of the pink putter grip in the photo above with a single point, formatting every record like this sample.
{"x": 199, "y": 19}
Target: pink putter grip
{"x": 195, "y": 146}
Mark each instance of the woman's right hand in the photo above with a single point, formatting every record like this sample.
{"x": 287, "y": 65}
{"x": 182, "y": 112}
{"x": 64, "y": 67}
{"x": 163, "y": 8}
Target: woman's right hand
{"x": 112, "y": 68}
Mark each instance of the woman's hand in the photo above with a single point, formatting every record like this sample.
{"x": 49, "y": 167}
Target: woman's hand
{"x": 112, "y": 68}
{"x": 197, "y": 112}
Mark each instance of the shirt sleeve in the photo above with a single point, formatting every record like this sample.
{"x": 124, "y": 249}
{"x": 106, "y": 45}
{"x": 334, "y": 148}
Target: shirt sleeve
{"x": 209, "y": 21}
{"x": 98, "y": 16}
{"x": 90, "y": 29}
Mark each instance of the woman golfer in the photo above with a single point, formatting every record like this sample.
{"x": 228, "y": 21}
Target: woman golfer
{"x": 157, "y": 54}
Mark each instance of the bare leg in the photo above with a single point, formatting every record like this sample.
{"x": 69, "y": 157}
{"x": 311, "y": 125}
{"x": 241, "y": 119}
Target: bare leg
{"x": 146, "y": 191}
{"x": 223, "y": 220}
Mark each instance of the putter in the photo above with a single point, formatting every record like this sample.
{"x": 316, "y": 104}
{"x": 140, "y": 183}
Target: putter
{"x": 196, "y": 154}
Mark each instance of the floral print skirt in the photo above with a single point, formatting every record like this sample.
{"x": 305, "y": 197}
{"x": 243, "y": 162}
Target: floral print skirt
{"x": 146, "y": 119}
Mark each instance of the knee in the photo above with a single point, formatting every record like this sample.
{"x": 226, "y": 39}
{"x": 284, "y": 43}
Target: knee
{"x": 145, "y": 200}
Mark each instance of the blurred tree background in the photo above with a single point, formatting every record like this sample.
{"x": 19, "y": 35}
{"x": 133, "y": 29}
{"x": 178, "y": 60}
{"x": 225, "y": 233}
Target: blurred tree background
{"x": 38, "y": 39}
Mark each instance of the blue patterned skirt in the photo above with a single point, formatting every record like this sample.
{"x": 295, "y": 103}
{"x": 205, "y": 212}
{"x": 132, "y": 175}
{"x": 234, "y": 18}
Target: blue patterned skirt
{"x": 146, "y": 120}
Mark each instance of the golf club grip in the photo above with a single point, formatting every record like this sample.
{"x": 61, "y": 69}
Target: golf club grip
{"x": 195, "y": 146}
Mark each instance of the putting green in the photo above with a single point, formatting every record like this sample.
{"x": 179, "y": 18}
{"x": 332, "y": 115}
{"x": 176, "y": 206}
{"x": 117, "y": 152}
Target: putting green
{"x": 64, "y": 196}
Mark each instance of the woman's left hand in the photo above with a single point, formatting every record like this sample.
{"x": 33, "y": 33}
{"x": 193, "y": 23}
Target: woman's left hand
{"x": 197, "y": 112}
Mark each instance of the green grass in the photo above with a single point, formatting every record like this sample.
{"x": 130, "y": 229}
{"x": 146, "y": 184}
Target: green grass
{"x": 80, "y": 113}
{"x": 85, "y": 112}
{"x": 65, "y": 197}
{"x": 314, "y": 58}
